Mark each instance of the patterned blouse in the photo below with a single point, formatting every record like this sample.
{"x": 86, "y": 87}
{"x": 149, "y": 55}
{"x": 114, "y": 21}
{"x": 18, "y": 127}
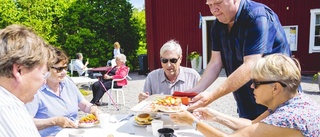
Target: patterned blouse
{"x": 299, "y": 113}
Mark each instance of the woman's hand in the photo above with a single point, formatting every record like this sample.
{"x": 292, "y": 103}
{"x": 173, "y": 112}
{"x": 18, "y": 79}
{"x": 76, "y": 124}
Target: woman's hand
{"x": 205, "y": 114}
{"x": 183, "y": 117}
{"x": 64, "y": 122}
{"x": 107, "y": 77}
{"x": 95, "y": 110}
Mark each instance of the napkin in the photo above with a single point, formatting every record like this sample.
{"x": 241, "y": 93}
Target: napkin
{"x": 184, "y": 94}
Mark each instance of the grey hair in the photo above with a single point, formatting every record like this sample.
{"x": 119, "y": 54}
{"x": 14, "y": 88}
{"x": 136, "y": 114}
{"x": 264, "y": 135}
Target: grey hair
{"x": 279, "y": 67}
{"x": 171, "y": 45}
{"x": 121, "y": 57}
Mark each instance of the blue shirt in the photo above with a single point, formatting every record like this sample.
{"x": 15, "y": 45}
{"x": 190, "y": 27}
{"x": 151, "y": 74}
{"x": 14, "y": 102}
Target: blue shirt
{"x": 46, "y": 104}
{"x": 256, "y": 30}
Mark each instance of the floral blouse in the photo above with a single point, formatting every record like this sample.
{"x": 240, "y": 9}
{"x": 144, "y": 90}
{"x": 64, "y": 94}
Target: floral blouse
{"x": 299, "y": 113}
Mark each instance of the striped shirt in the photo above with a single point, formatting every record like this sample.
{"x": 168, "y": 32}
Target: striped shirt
{"x": 15, "y": 120}
{"x": 157, "y": 83}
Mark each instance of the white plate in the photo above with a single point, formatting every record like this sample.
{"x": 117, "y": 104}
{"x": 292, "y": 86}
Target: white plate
{"x": 83, "y": 125}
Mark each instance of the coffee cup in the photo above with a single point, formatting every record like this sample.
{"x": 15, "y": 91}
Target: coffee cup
{"x": 166, "y": 132}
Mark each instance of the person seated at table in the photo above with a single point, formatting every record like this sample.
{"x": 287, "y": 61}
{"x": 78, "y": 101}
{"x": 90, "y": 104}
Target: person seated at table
{"x": 275, "y": 80}
{"x": 79, "y": 66}
{"x": 171, "y": 77}
{"x": 119, "y": 71}
{"x": 55, "y": 105}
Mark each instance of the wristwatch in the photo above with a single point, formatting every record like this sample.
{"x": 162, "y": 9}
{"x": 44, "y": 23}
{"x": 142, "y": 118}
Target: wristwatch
{"x": 194, "y": 124}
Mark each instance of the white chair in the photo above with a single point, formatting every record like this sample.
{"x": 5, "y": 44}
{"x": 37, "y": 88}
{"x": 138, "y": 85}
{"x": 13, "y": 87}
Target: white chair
{"x": 117, "y": 90}
{"x": 71, "y": 66}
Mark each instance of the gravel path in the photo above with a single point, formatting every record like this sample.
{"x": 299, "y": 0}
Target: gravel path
{"x": 224, "y": 104}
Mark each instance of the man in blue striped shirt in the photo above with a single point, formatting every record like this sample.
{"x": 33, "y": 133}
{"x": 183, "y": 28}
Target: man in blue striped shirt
{"x": 24, "y": 62}
{"x": 243, "y": 32}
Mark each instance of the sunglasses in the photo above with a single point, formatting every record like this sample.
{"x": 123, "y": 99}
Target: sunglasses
{"x": 257, "y": 83}
{"x": 59, "y": 69}
{"x": 173, "y": 60}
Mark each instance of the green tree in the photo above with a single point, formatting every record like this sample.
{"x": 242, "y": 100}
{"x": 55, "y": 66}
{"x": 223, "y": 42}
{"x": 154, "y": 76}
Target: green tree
{"x": 91, "y": 27}
{"x": 140, "y": 16}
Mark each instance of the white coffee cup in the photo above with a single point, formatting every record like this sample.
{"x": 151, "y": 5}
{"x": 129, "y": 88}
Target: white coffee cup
{"x": 156, "y": 125}
{"x": 104, "y": 119}
{"x": 76, "y": 133}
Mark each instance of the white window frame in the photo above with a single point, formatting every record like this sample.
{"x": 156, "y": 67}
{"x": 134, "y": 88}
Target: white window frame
{"x": 204, "y": 39}
{"x": 312, "y": 48}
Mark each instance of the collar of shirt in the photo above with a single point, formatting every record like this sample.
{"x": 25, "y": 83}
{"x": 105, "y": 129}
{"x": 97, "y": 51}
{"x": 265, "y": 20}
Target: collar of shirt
{"x": 181, "y": 76}
{"x": 46, "y": 88}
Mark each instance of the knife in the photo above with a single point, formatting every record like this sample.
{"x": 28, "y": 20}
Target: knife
{"x": 126, "y": 118}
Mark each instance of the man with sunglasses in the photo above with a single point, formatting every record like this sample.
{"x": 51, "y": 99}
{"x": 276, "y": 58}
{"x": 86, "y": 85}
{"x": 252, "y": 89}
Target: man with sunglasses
{"x": 171, "y": 77}
{"x": 24, "y": 62}
{"x": 243, "y": 32}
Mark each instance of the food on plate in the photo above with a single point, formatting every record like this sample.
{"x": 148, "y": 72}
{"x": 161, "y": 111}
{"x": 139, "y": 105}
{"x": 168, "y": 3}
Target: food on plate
{"x": 88, "y": 119}
{"x": 143, "y": 119}
{"x": 168, "y": 104}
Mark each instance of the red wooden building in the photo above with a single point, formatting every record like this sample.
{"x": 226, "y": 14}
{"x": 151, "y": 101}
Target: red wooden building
{"x": 179, "y": 20}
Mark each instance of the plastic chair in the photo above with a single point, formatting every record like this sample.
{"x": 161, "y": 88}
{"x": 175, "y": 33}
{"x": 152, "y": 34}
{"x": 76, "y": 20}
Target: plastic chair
{"x": 71, "y": 66}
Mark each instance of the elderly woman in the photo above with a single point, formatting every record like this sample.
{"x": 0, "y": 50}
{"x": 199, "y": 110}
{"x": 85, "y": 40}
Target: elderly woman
{"x": 275, "y": 80}
{"x": 117, "y": 72}
{"x": 56, "y": 103}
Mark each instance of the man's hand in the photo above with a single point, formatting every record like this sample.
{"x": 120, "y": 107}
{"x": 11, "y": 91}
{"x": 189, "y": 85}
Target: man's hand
{"x": 143, "y": 96}
{"x": 201, "y": 100}
{"x": 64, "y": 122}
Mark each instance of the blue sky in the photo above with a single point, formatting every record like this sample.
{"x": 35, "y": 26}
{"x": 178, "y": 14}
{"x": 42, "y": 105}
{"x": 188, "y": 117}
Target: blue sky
{"x": 137, "y": 3}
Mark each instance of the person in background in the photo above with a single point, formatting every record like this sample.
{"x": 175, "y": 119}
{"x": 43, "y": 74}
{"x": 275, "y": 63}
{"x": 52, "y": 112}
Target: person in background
{"x": 117, "y": 48}
{"x": 171, "y": 77}
{"x": 56, "y": 104}
{"x": 275, "y": 80}
{"x": 243, "y": 32}
{"x": 79, "y": 66}
{"x": 24, "y": 62}
{"x": 117, "y": 72}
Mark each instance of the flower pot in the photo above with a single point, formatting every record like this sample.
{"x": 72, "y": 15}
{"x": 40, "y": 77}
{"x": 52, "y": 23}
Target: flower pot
{"x": 196, "y": 63}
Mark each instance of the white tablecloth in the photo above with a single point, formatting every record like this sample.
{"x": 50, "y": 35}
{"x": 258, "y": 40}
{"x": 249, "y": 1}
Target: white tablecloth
{"x": 83, "y": 80}
{"x": 127, "y": 128}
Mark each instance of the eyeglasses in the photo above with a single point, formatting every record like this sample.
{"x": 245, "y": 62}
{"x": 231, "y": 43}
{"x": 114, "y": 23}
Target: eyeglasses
{"x": 173, "y": 60}
{"x": 257, "y": 83}
{"x": 59, "y": 69}
{"x": 46, "y": 75}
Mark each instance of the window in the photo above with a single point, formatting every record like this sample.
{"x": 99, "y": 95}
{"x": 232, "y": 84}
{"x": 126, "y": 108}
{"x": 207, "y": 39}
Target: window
{"x": 314, "y": 41}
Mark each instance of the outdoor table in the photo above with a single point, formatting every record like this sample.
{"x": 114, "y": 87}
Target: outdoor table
{"x": 128, "y": 128}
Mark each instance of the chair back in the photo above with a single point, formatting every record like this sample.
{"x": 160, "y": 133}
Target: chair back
{"x": 71, "y": 66}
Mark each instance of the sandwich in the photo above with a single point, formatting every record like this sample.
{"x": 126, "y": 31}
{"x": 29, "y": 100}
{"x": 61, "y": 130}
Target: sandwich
{"x": 143, "y": 119}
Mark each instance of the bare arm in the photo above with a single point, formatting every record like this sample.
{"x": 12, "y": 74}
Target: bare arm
{"x": 53, "y": 121}
{"x": 238, "y": 78}
{"x": 210, "y": 74}
{"x": 87, "y": 107}
{"x": 233, "y": 123}
{"x": 265, "y": 130}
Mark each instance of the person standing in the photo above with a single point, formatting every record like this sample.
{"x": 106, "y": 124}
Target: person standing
{"x": 24, "y": 62}
{"x": 171, "y": 77}
{"x": 79, "y": 66}
{"x": 117, "y": 49}
{"x": 243, "y": 32}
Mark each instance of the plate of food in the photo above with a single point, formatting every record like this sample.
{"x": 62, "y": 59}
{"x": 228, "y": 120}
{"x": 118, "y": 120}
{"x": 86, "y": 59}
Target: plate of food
{"x": 89, "y": 120}
{"x": 160, "y": 104}
{"x": 142, "y": 120}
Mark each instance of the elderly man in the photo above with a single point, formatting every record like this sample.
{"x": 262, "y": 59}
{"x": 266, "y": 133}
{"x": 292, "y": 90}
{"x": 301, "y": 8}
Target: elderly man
{"x": 171, "y": 77}
{"x": 23, "y": 69}
{"x": 243, "y": 32}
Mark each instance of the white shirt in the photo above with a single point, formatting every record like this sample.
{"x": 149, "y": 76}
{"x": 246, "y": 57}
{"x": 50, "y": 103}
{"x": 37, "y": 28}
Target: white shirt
{"x": 78, "y": 65}
{"x": 15, "y": 120}
{"x": 116, "y": 52}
